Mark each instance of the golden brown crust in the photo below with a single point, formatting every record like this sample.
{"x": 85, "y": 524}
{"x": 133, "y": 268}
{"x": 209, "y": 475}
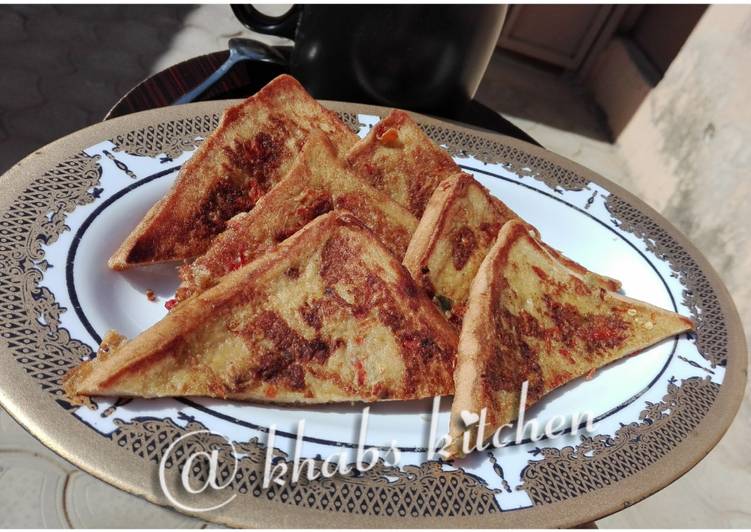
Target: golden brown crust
{"x": 328, "y": 315}
{"x": 75, "y": 377}
{"x": 398, "y": 158}
{"x": 250, "y": 151}
{"x": 428, "y": 229}
{"x": 318, "y": 182}
{"x": 530, "y": 318}
{"x": 459, "y": 226}
{"x": 608, "y": 283}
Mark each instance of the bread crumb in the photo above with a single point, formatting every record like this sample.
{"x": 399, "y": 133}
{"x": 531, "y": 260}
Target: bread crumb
{"x": 150, "y": 295}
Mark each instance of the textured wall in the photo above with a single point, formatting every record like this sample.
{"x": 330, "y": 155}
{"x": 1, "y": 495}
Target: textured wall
{"x": 689, "y": 153}
{"x": 689, "y": 145}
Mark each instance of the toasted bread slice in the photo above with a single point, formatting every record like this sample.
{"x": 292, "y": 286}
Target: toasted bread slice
{"x": 318, "y": 182}
{"x": 529, "y": 318}
{"x": 251, "y": 150}
{"x": 328, "y": 315}
{"x": 460, "y": 224}
{"x": 398, "y": 158}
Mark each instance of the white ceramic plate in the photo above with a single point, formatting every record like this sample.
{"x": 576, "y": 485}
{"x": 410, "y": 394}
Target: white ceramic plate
{"x": 656, "y": 414}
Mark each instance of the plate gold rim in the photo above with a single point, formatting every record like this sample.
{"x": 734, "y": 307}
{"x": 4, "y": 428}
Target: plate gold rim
{"x": 37, "y": 412}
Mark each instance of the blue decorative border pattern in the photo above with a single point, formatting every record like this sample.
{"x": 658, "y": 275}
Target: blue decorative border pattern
{"x": 31, "y": 328}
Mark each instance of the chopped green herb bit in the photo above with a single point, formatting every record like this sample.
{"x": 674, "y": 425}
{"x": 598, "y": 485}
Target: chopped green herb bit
{"x": 445, "y": 302}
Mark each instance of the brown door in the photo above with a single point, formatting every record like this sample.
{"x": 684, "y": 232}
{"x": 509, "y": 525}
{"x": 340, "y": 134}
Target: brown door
{"x": 561, "y": 35}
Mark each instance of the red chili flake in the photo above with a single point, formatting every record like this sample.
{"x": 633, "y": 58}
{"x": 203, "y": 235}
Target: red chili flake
{"x": 361, "y": 375}
{"x": 170, "y": 304}
{"x": 540, "y": 273}
{"x": 590, "y": 374}
{"x": 254, "y": 192}
{"x": 567, "y": 355}
{"x": 559, "y": 380}
{"x": 150, "y": 295}
{"x": 601, "y": 334}
{"x": 389, "y": 138}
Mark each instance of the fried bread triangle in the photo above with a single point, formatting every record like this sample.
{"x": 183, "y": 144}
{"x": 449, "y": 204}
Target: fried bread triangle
{"x": 251, "y": 150}
{"x": 458, "y": 227}
{"x": 529, "y": 318}
{"x": 318, "y": 182}
{"x": 328, "y": 315}
{"x": 398, "y": 158}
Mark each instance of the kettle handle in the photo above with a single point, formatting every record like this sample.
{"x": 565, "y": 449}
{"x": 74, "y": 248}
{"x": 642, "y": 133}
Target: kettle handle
{"x": 283, "y": 26}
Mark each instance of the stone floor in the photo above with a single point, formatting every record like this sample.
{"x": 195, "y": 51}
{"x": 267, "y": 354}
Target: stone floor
{"x": 64, "y": 67}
